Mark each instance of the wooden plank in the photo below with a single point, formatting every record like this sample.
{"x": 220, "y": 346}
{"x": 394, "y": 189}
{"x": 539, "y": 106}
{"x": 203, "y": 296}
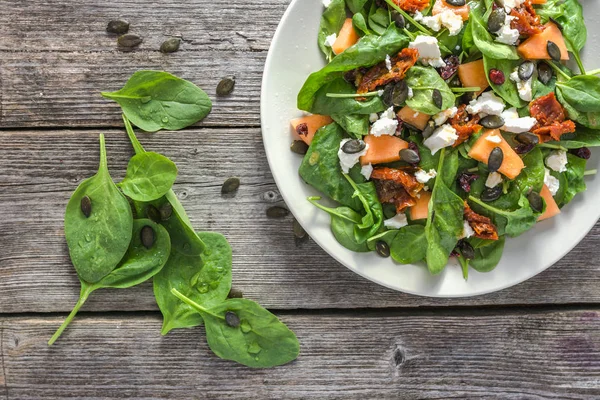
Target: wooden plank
{"x": 40, "y": 169}
{"x": 539, "y": 355}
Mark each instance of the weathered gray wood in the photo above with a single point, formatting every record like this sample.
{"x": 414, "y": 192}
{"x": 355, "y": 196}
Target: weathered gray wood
{"x": 40, "y": 169}
{"x": 540, "y": 355}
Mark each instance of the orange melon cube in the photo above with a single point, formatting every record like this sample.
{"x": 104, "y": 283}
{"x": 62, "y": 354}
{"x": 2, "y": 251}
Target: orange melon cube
{"x": 551, "y": 206}
{"x": 346, "y": 38}
{"x": 473, "y": 74}
{"x": 538, "y": 1}
{"x": 441, "y": 5}
{"x": 535, "y": 47}
{"x": 511, "y": 165}
{"x": 382, "y": 149}
{"x": 313, "y": 123}
{"x": 421, "y": 209}
{"x": 415, "y": 118}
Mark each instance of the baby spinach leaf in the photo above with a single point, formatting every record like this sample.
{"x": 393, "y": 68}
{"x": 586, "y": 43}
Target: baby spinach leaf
{"x": 335, "y": 106}
{"x": 331, "y": 22}
{"x": 423, "y": 81}
{"x": 155, "y": 100}
{"x": 573, "y": 178}
{"x": 583, "y": 137}
{"x": 569, "y": 14}
{"x": 139, "y": 264}
{"x": 379, "y": 19}
{"x": 582, "y": 92}
{"x": 587, "y": 119}
{"x": 409, "y": 244}
{"x": 485, "y": 42}
{"x": 98, "y": 241}
{"x": 356, "y": 5}
{"x": 368, "y": 51}
{"x": 372, "y": 219}
{"x": 360, "y": 25}
{"x": 256, "y": 338}
{"x": 539, "y": 90}
{"x": 488, "y": 257}
{"x": 508, "y": 90}
{"x": 355, "y": 125}
{"x": 511, "y": 223}
{"x": 149, "y": 176}
{"x": 387, "y": 236}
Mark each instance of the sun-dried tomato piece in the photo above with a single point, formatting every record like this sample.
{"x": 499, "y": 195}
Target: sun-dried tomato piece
{"x": 555, "y": 130}
{"x": 401, "y": 177}
{"x": 551, "y": 118}
{"x": 412, "y": 5}
{"x": 394, "y": 193}
{"x": 526, "y": 21}
{"x": 465, "y": 124}
{"x": 379, "y": 75}
{"x": 483, "y": 226}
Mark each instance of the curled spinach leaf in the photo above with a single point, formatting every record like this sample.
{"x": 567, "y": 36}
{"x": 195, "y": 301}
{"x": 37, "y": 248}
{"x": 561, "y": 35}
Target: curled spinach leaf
{"x": 582, "y": 92}
{"x": 149, "y": 176}
{"x": 587, "y": 119}
{"x": 409, "y": 245}
{"x": 423, "y": 81}
{"x": 487, "y": 257}
{"x": 331, "y": 22}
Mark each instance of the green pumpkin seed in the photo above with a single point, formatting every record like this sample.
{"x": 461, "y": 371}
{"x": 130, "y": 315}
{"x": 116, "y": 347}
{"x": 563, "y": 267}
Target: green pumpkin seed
{"x": 526, "y": 70}
{"x": 299, "y": 231}
{"x": 437, "y": 98}
{"x": 232, "y": 319}
{"x": 527, "y": 138}
{"x": 466, "y": 250}
{"x": 277, "y": 212}
{"x": 166, "y": 210}
{"x": 129, "y": 41}
{"x": 388, "y": 95}
{"x": 429, "y": 128}
{"x": 398, "y": 19}
{"x": 409, "y": 156}
{"x": 491, "y": 194}
{"x": 545, "y": 73}
{"x": 495, "y": 159}
{"x": 299, "y": 147}
{"x": 492, "y": 122}
{"x": 170, "y": 45}
{"x": 400, "y": 93}
{"x": 86, "y": 206}
{"x": 153, "y": 214}
{"x": 553, "y": 51}
{"x": 117, "y": 26}
{"x": 225, "y": 87}
{"x": 382, "y": 248}
{"x": 147, "y": 236}
{"x": 496, "y": 20}
{"x": 535, "y": 201}
{"x": 353, "y": 146}
{"x": 456, "y": 3}
{"x": 230, "y": 185}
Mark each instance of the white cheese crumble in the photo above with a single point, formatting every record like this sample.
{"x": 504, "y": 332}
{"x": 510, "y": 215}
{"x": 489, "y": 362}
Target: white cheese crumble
{"x": 411, "y": 94}
{"x": 348, "y": 161}
{"x": 386, "y": 124}
{"x": 443, "y": 136}
{"x": 507, "y": 35}
{"x": 444, "y": 116}
{"x": 493, "y": 180}
{"x": 326, "y": 3}
{"x": 510, "y": 4}
{"x": 552, "y": 183}
{"x": 380, "y": 93}
{"x": 557, "y": 161}
{"x": 388, "y": 62}
{"x": 494, "y": 138}
{"x": 396, "y": 222}
{"x": 373, "y": 117}
{"x": 515, "y": 124}
{"x": 429, "y": 51}
{"x": 525, "y": 88}
{"x": 446, "y": 19}
{"x": 467, "y": 230}
{"x": 487, "y": 103}
{"x": 366, "y": 171}
{"x": 330, "y": 40}
{"x": 424, "y": 177}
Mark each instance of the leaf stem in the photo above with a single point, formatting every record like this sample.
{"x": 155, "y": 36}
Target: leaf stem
{"x": 558, "y": 70}
{"x": 351, "y": 95}
{"x": 590, "y": 172}
{"x": 593, "y": 72}
{"x": 83, "y": 296}
{"x": 137, "y": 147}
{"x": 409, "y": 18}
{"x": 552, "y": 146}
{"x": 103, "y": 160}
{"x": 193, "y": 304}
{"x": 466, "y": 89}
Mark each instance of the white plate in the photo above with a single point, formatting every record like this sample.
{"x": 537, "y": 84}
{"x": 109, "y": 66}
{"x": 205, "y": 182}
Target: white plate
{"x": 294, "y": 54}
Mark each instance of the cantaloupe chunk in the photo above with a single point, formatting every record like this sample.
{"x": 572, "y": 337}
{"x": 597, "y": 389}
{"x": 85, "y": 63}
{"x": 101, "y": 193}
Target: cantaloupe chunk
{"x": 535, "y": 48}
{"x": 415, "y": 118}
{"x": 440, "y": 6}
{"x": 421, "y": 209}
{"x": 382, "y": 149}
{"x": 511, "y": 165}
{"x": 538, "y": 1}
{"x": 551, "y": 206}
{"x": 473, "y": 74}
{"x": 346, "y": 38}
{"x": 313, "y": 123}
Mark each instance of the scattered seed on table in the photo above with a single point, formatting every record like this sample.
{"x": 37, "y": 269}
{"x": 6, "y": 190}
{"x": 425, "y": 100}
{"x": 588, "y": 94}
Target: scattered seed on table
{"x": 300, "y": 235}
{"x": 226, "y": 86}
{"x": 170, "y": 45}
{"x": 117, "y": 26}
{"x": 129, "y": 41}
{"x": 277, "y": 212}
{"x": 231, "y": 185}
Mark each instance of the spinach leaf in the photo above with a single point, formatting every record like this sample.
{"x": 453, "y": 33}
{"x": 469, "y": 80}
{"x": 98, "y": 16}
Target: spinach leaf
{"x": 569, "y": 14}
{"x": 379, "y": 19}
{"x": 485, "y": 42}
{"x": 539, "y": 90}
{"x": 488, "y": 257}
{"x": 508, "y": 90}
{"x": 334, "y": 105}
{"x": 356, "y": 5}
{"x": 369, "y": 51}
{"x": 240, "y": 330}
{"x": 423, "y": 81}
{"x": 331, "y": 22}
{"x": 98, "y": 237}
{"x": 372, "y": 219}
{"x": 387, "y": 236}
{"x": 582, "y": 92}
{"x": 360, "y": 25}
{"x": 409, "y": 244}
{"x": 511, "y": 223}
{"x": 154, "y": 100}
{"x": 573, "y": 181}
{"x": 139, "y": 264}
{"x": 356, "y": 125}
{"x": 149, "y": 176}
{"x": 583, "y": 137}
{"x": 587, "y": 119}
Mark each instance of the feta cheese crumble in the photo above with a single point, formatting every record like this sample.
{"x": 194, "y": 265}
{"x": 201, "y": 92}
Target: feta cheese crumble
{"x": 388, "y": 62}
{"x": 444, "y": 116}
{"x": 411, "y": 94}
{"x": 330, "y": 40}
{"x": 494, "y": 138}
{"x": 446, "y": 19}
{"x": 366, "y": 171}
{"x": 525, "y": 88}
{"x": 551, "y": 182}
{"x": 467, "y": 230}
{"x": 507, "y": 35}
{"x": 510, "y": 4}
{"x": 443, "y": 136}
{"x": 557, "y": 161}
{"x": 396, "y": 222}
{"x": 424, "y": 177}
{"x": 429, "y": 51}
{"x": 515, "y": 124}
{"x": 373, "y": 117}
{"x": 348, "y": 161}
{"x": 386, "y": 124}
{"x": 493, "y": 180}
{"x": 487, "y": 103}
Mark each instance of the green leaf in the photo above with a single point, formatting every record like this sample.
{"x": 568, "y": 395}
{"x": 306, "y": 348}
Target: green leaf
{"x": 582, "y": 92}
{"x": 589, "y": 119}
{"x": 155, "y": 100}
{"x": 355, "y": 125}
{"x": 360, "y": 25}
{"x": 379, "y": 19}
{"x": 337, "y": 106}
{"x": 511, "y": 223}
{"x": 409, "y": 244}
{"x": 486, "y": 44}
{"x": 331, "y": 22}
{"x": 508, "y": 90}
{"x": 583, "y": 137}
{"x": 356, "y": 5}
{"x": 573, "y": 178}
{"x": 569, "y": 13}
{"x": 488, "y": 257}
{"x": 149, "y": 176}
{"x": 423, "y": 81}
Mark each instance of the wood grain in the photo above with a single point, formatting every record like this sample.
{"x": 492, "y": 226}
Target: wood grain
{"x": 385, "y": 355}
{"x": 40, "y": 169}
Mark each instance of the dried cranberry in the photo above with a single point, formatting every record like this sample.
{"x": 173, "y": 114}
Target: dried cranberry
{"x": 451, "y": 67}
{"x": 497, "y": 77}
{"x": 465, "y": 180}
{"x": 302, "y": 129}
{"x": 583, "y": 152}
{"x": 399, "y": 127}
{"x": 524, "y": 148}
{"x": 414, "y": 147}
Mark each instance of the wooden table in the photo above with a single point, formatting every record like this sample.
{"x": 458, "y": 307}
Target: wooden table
{"x": 540, "y": 339}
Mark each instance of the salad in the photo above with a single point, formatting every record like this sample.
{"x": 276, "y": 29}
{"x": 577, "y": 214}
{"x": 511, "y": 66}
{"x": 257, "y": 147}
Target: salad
{"x": 440, "y": 128}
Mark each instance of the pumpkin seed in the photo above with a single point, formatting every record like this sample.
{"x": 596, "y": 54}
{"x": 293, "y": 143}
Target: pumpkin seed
{"x": 527, "y": 138}
{"x": 491, "y": 194}
{"x": 466, "y": 250}
{"x": 496, "y": 20}
{"x": 232, "y": 319}
{"x": 129, "y": 40}
{"x": 388, "y": 95}
{"x": 353, "y": 146}
{"x": 535, "y": 201}
{"x": 553, "y": 50}
{"x": 299, "y": 147}
{"x": 400, "y": 93}
{"x": 230, "y": 185}
{"x": 492, "y": 122}
{"x": 438, "y": 101}
{"x": 235, "y": 294}
{"x": 495, "y": 159}
{"x": 429, "y": 128}
{"x": 398, "y": 20}
{"x": 382, "y": 248}
{"x": 226, "y": 86}
{"x": 456, "y": 3}
{"x": 526, "y": 70}
{"x": 147, "y": 236}
{"x": 545, "y": 73}
{"x": 299, "y": 231}
{"x": 166, "y": 210}
{"x": 277, "y": 212}
{"x": 86, "y": 206}
{"x": 170, "y": 45}
{"x": 410, "y": 156}
{"x": 117, "y": 26}
{"x": 153, "y": 213}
